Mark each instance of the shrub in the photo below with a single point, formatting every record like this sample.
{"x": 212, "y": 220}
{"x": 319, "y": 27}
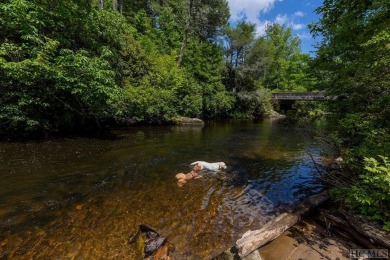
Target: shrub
{"x": 254, "y": 103}
{"x": 371, "y": 195}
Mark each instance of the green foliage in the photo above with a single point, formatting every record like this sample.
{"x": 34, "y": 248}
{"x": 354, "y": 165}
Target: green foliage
{"x": 238, "y": 42}
{"x": 273, "y": 61}
{"x": 352, "y": 65}
{"x": 47, "y": 86}
{"x": 149, "y": 104}
{"x": 371, "y": 196}
{"x": 286, "y": 71}
{"x": 254, "y": 103}
{"x": 216, "y": 101}
{"x": 304, "y": 111}
{"x": 353, "y": 58}
{"x": 204, "y": 60}
{"x": 69, "y": 65}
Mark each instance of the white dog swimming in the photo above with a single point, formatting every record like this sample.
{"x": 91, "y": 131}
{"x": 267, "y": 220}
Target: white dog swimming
{"x": 210, "y": 166}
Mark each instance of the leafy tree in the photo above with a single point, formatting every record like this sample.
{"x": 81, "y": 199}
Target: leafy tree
{"x": 201, "y": 19}
{"x": 297, "y": 76}
{"x": 238, "y": 42}
{"x": 205, "y": 61}
{"x": 46, "y": 85}
{"x": 259, "y": 59}
{"x": 286, "y": 50}
{"x": 371, "y": 195}
{"x": 352, "y": 64}
{"x": 254, "y": 103}
{"x": 69, "y": 65}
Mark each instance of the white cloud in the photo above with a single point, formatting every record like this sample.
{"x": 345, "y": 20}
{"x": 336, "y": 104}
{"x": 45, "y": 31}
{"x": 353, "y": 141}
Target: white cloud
{"x": 297, "y": 26}
{"x": 250, "y": 9}
{"x": 261, "y": 26}
{"x": 304, "y": 36}
{"x": 284, "y": 19}
{"x": 281, "y": 19}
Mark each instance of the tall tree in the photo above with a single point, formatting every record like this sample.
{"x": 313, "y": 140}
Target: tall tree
{"x": 187, "y": 28}
{"x": 204, "y": 19}
{"x": 236, "y": 47}
{"x": 353, "y": 57}
{"x": 285, "y": 45}
{"x": 258, "y": 59}
{"x": 237, "y": 43}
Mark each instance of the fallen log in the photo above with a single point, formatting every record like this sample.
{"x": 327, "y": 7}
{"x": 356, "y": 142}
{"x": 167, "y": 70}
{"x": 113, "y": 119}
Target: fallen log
{"x": 368, "y": 234}
{"x": 253, "y": 240}
{"x": 336, "y": 223}
{"x": 371, "y": 230}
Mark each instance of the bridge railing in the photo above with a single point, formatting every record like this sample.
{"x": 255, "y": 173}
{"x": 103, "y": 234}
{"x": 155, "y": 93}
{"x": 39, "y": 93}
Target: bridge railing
{"x": 298, "y": 96}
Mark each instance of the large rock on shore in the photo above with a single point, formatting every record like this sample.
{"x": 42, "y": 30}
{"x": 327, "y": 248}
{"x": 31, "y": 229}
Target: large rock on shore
{"x": 187, "y": 121}
{"x": 276, "y": 115}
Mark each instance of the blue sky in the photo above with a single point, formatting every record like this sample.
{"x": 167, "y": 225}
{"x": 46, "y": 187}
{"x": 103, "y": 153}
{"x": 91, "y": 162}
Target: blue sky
{"x": 295, "y": 13}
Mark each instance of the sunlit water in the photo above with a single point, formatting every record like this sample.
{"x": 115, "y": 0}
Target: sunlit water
{"x": 82, "y": 198}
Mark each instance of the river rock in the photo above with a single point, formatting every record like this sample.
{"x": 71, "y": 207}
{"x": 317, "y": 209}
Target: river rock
{"x": 187, "y": 121}
{"x": 276, "y": 115}
{"x": 149, "y": 243}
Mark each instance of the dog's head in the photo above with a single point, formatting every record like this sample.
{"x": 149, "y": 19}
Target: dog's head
{"x": 197, "y": 168}
{"x": 222, "y": 166}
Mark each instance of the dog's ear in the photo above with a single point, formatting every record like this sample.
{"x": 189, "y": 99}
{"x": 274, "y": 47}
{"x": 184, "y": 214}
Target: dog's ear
{"x": 222, "y": 165}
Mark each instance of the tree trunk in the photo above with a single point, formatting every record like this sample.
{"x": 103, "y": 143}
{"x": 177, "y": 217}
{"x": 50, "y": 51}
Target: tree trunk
{"x": 101, "y": 4}
{"x": 238, "y": 54}
{"x": 120, "y": 2}
{"x": 186, "y": 32}
{"x": 182, "y": 48}
{"x": 115, "y": 5}
{"x": 151, "y": 12}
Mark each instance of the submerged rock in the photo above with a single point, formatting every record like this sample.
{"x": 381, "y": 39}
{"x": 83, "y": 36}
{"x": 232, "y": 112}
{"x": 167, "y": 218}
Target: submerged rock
{"x": 339, "y": 160}
{"x": 149, "y": 243}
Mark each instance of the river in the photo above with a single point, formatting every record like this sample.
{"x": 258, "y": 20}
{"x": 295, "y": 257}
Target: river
{"x": 83, "y": 197}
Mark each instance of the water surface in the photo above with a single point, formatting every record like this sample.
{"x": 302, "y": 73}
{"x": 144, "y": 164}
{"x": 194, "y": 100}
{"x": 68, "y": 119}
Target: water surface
{"x": 82, "y": 198}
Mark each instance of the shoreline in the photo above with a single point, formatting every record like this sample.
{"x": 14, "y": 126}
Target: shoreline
{"x": 312, "y": 237}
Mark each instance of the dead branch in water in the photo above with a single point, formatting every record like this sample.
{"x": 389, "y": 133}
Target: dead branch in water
{"x": 333, "y": 174}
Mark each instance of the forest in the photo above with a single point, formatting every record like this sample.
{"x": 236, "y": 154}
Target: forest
{"x": 71, "y": 65}
{"x": 88, "y": 64}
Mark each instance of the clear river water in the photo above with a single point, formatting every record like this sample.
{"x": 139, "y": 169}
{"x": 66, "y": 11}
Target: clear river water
{"x": 81, "y": 198}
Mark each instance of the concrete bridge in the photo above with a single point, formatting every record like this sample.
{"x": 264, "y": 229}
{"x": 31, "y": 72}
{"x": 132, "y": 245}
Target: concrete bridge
{"x": 285, "y": 100}
{"x": 307, "y": 96}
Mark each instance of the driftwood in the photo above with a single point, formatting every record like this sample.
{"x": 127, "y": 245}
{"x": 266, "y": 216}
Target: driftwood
{"x": 253, "y": 240}
{"x": 368, "y": 234}
{"x": 336, "y": 223}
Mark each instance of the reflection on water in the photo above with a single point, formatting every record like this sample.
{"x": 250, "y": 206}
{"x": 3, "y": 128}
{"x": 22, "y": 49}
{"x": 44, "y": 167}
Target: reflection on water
{"x": 83, "y": 197}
